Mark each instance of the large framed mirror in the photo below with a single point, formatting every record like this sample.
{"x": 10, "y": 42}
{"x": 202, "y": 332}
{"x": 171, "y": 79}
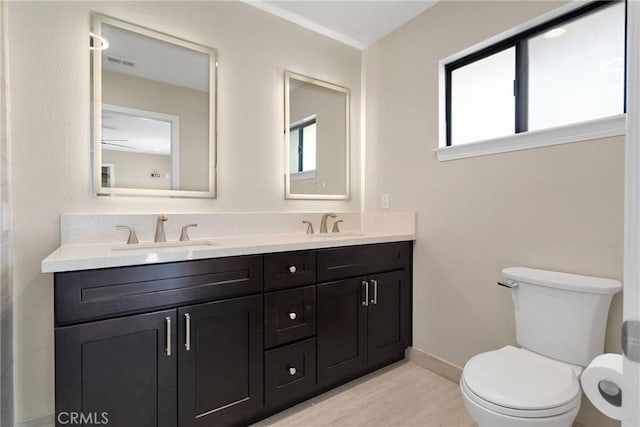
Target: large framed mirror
{"x": 153, "y": 112}
{"x": 316, "y": 139}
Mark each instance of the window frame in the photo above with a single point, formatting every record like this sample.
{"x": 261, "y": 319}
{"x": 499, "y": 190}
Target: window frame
{"x": 518, "y": 40}
{"x": 300, "y": 128}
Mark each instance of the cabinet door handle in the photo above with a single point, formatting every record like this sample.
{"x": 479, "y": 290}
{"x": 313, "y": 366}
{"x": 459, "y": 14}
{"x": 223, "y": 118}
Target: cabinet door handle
{"x": 293, "y": 269}
{"x": 374, "y": 300}
{"x": 292, "y": 370}
{"x": 293, "y": 315}
{"x": 365, "y": 302}
{"x": 187, "y": 340}
{"x": 167, "y": 321}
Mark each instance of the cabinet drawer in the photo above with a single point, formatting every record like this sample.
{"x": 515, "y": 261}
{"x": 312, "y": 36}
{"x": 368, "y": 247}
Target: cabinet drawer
{"x": 107, "y": 292}
{"x": 340, "y": 263}
{"x": 288, "y": 269}
{"x": 290, "y": 372}
{"x": 289, "y": 315}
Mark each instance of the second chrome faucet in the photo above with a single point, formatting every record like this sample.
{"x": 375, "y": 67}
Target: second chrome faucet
{"x": 323, "y": 221}
{"x": 160, "y": 236}
{"x": 323, "y": 224}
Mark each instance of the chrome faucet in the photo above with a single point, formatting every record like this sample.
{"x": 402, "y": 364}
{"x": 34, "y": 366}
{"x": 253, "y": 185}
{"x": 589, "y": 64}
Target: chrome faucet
{"x": 160, "y": 236}
{"x": 323, "y": 222}
{"x": 133, "y": 239}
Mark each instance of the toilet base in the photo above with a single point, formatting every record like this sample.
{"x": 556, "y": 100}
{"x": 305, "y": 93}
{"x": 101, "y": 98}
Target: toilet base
{"x": 485, "y": 417}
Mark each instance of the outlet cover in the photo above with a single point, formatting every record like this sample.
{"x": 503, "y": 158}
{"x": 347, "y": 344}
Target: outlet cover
{"x": 384, "y": 201}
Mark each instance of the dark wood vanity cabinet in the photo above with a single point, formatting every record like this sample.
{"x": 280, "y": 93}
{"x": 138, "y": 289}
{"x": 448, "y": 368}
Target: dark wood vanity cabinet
{"x": 188, "y": 365}
{"x": 227, "y": 341}
{"x": 123, "y": 367}
{"x": 358, "y": 329}
{"x": 364, "y": 319}
{"x": 220, "y": 362}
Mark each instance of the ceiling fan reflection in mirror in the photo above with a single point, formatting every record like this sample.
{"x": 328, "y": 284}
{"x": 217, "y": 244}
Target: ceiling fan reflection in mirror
{"x": 113, "y": 142}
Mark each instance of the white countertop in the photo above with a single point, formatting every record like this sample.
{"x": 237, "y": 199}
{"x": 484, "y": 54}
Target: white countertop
{"x": 72, "y": 257}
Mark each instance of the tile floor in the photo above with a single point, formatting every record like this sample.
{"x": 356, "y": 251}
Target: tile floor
{"x": 402, "y": 394}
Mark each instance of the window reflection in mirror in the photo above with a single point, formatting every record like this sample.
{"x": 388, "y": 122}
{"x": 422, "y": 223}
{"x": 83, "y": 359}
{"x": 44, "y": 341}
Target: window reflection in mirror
{"x": 303, "y": 149}
{"x": 317, "y": 138}
{"x": 154, "y": 121}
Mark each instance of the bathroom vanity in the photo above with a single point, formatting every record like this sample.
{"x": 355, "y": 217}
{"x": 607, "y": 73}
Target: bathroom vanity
{"x": 228, "y": 340}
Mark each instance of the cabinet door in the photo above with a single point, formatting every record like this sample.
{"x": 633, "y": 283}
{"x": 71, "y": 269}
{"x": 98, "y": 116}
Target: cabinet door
{"x": 125, "y": 368}
{"x": 388, "y": 317}
{"x": 220, "y": 362}
{"x": 341, "y": 330}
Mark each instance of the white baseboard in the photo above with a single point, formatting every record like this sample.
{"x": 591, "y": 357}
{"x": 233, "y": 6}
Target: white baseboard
{"x": 434, "y": 363}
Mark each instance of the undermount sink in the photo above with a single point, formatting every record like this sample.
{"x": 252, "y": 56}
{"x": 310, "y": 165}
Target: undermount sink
{"x": 163, "y": 245}
{"x": 337, "y": 235}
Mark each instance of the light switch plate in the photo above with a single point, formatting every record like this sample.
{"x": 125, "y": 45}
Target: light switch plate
{"x": 384, "y": 201}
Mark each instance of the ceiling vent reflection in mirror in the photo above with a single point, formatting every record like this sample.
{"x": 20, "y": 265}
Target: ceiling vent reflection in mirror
{"x": 153, "y": 113}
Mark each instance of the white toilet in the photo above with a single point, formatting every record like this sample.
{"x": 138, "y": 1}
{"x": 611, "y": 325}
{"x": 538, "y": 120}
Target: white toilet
{"x": 560, "y": 323}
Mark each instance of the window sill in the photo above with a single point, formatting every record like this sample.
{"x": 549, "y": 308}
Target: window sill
{"x": 594, "y": 129}
{"x": 299, "y": 176}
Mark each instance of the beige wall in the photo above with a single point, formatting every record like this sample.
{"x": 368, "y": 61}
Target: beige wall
{"x": 51, "y": 132}
{"x": 329, "y": 107}
{"x": 557, "y": 208}
{"x": 133, "y": 170}
{"x": 191, "y": 106}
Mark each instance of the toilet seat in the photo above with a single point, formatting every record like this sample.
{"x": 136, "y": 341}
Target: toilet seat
{"x": 520, "y": 383}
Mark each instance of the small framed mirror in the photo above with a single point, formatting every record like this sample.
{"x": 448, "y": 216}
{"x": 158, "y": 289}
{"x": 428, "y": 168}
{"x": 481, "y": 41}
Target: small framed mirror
{"x": 153, "y": 112}
{"x": 316, "y": 139}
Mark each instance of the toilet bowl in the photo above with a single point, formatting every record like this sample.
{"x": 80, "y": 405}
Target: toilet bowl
{"x": 560, "y": 326}
{"x": 513, "y": 387}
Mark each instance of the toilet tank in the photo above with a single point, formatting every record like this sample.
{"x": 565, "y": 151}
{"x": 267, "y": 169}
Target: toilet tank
{"x": 561, "y": 315}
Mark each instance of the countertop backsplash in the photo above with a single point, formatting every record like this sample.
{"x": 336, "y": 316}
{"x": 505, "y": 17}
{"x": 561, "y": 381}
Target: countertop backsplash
{"x": 100, "y": 228}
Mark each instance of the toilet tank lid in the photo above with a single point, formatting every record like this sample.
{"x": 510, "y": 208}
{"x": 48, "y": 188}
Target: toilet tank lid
{"x": 566, "y": 281}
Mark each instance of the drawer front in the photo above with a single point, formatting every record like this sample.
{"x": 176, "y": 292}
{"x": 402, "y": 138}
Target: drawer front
{"x": 102, "y": 293}
{"x": 290, "y": 372}
{"x": 289, "y": 315}
{"x": 341, "y": 263}
{"x": 288, "y": 269}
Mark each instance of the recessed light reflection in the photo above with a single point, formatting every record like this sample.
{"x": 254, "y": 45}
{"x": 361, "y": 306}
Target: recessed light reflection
{"x": 556, "y": 32}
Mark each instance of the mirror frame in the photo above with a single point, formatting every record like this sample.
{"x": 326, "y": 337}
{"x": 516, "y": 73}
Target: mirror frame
{"x": 96, "y": 108}
{"x": 288, "y": 75}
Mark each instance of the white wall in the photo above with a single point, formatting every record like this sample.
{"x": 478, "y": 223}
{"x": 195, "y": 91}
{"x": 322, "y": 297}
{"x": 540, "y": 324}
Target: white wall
{"x": 6, "y": 289}
{"x": 49, "y": 79}
{"x": 133, "y": 170}
{"x": 190, "y": 105}
{"x": 557, "y": 208}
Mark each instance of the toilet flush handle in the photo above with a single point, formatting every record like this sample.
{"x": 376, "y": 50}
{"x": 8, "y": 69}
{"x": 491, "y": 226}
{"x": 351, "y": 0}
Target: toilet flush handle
{"x": 510, "y": 285}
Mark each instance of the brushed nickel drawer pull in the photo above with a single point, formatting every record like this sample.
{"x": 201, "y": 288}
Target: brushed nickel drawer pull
{"x": 292, "y": 370}
{"x": 187, "y": 341}
{"x": 167, "y": 321}
{"x": 292, "y": 316}
{"x": 374, "y": 300}
{"x": 293, "y": 269}
{"x": 365, "y": 302}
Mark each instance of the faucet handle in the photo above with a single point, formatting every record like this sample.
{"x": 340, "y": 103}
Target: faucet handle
{"x": 309, "y": 226}
{"x": 184, "y": 236}
{"x": 335, "y": 228}
{"x": 133, "y": 239}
